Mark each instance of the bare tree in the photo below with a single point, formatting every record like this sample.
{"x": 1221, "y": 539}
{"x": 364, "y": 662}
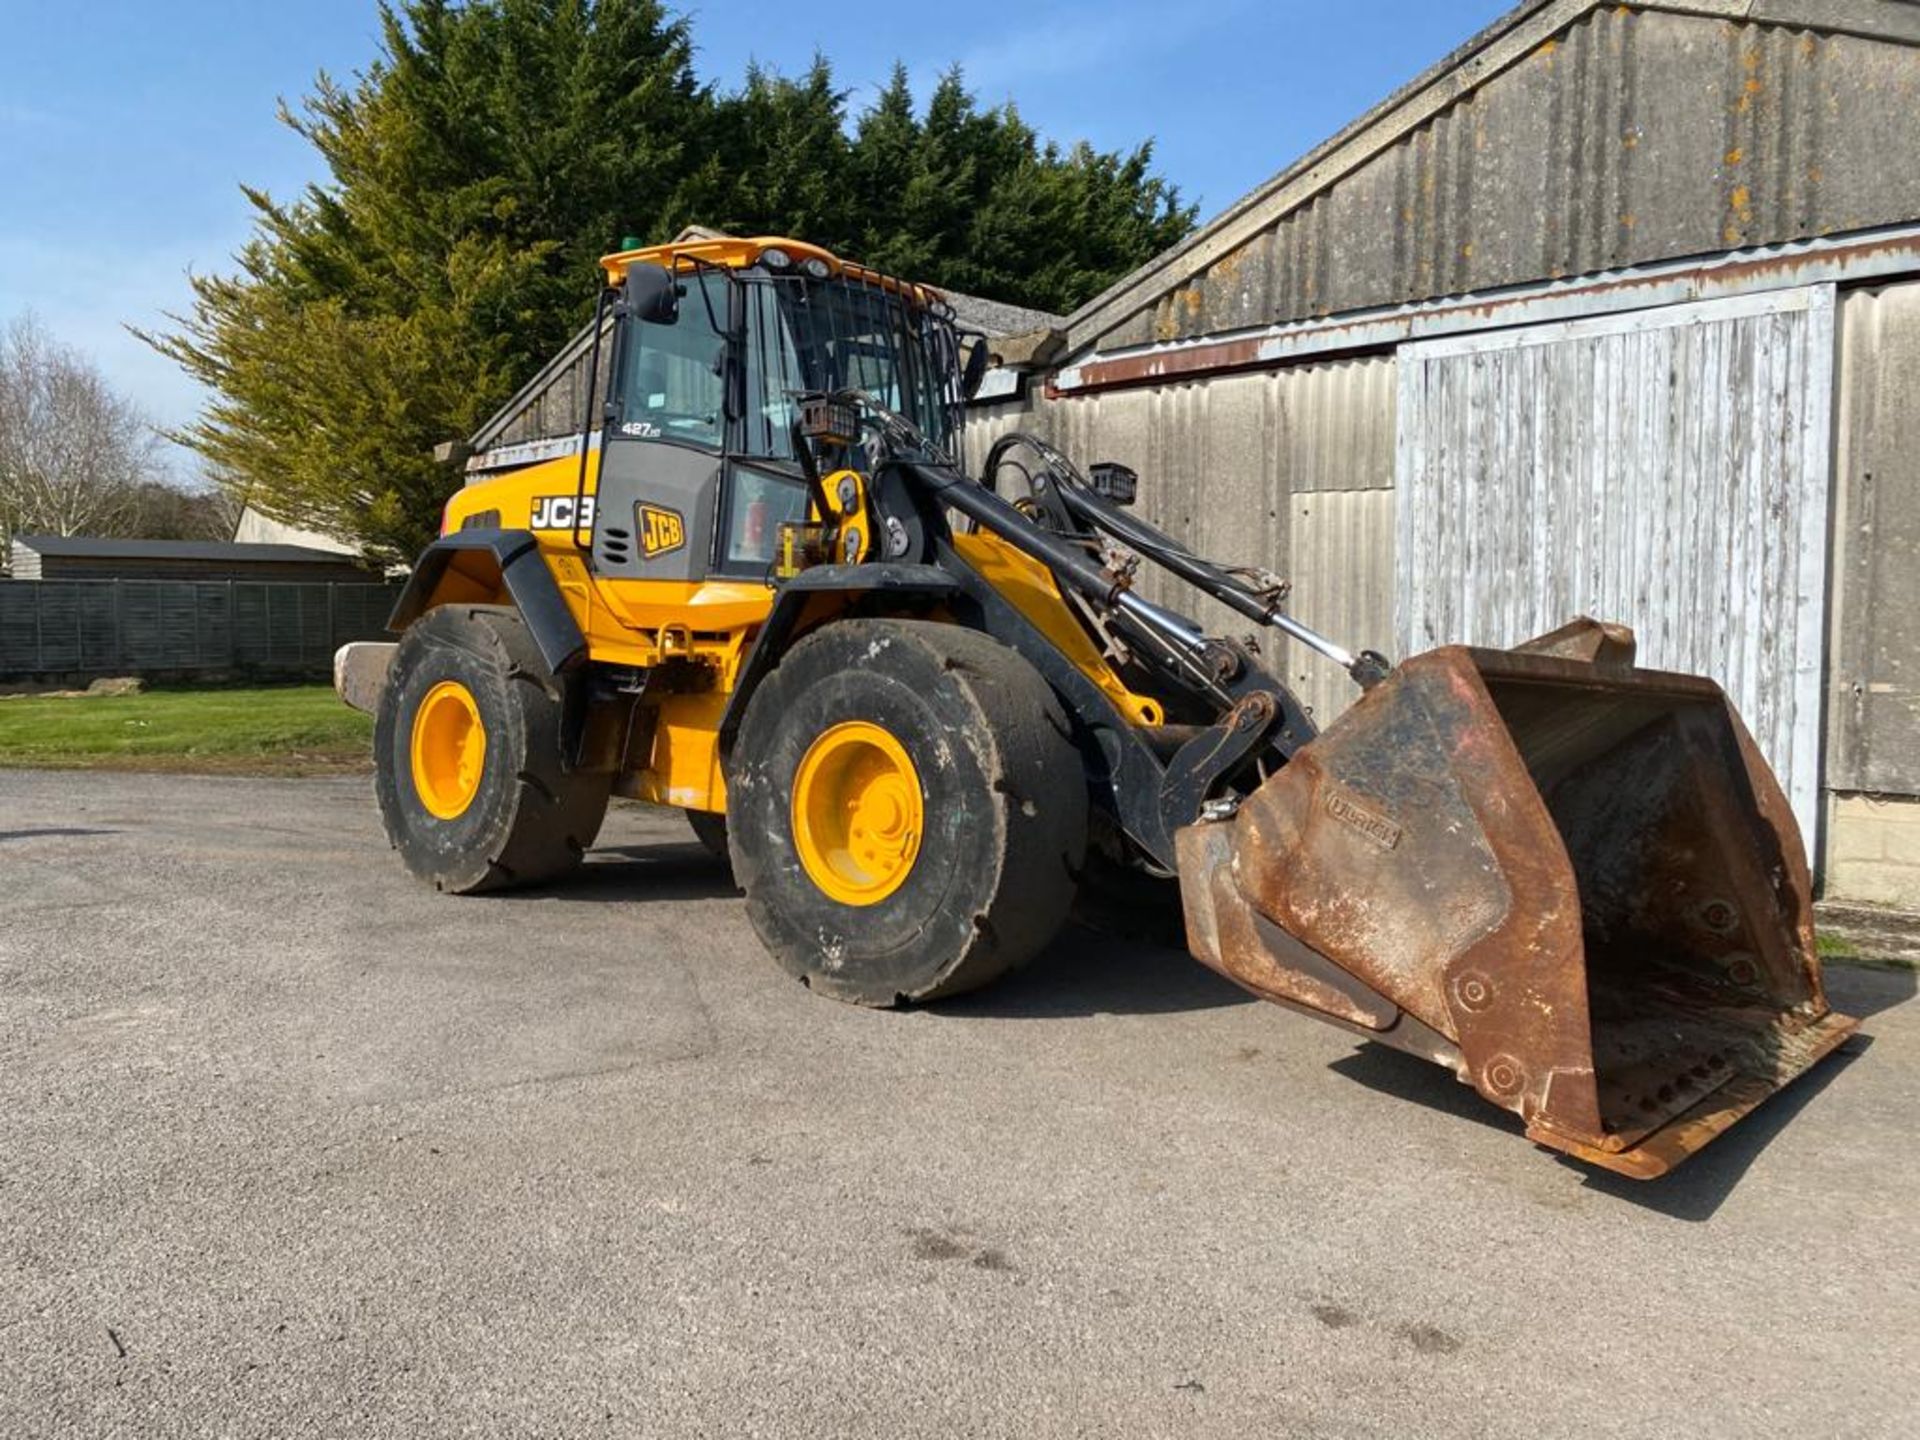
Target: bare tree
{"x": 73, "y": 452}
{"x": 166, "y": 511}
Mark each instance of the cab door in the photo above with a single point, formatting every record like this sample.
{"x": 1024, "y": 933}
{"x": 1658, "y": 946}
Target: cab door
{"x": 663, "y": 444}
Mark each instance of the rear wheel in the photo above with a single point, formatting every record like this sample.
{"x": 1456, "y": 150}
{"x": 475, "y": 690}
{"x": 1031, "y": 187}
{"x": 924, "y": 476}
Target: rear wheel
{"x": 907, "y": 814}
{"x": 710, "y": 829}
{"x": 467, "y": 751}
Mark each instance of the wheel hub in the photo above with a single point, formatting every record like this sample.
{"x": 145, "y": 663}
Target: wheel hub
{"x": 448, "y": 750}
{"x": 858, "y": 813}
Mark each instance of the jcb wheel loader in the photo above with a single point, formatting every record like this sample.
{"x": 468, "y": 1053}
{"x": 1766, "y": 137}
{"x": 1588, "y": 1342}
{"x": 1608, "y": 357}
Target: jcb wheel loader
{"x": 918, "y": 710}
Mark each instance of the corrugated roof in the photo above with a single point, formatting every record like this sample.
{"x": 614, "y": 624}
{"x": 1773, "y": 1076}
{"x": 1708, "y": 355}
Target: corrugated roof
{"x": 1396, "y": 202}
{"x": 996, "y": 319}
{"x": 90, "y": 547}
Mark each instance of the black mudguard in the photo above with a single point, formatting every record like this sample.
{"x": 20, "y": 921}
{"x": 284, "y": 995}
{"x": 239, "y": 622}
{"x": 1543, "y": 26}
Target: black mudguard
{"x": 528, "y": 581}
{"x": 774, "y": 637}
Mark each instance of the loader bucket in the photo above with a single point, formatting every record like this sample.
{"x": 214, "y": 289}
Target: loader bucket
{"x": 1574, "y": 882}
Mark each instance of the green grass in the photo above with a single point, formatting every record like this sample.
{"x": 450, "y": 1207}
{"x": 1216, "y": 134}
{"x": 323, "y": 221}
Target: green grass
{"x": 282, "y": 729}
{"x": 1833, "y": 947}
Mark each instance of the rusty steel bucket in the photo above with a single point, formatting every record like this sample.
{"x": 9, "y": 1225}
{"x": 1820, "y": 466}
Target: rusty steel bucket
{"x": 1574, "y": 882}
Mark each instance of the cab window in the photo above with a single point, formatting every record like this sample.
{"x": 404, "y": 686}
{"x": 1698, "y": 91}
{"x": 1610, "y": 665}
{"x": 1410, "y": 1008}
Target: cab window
{"x": 673, "y": 380}
{"x": 760, "y": 504}
{"x": 775, "y": 375}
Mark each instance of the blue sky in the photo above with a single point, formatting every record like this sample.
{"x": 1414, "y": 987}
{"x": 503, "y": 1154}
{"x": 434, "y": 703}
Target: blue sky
{"x": 127, "y": 128}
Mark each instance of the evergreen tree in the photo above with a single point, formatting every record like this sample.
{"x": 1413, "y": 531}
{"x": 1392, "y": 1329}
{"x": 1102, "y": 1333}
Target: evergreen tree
{"x": 782, "y": 148}
{"x": 886, "y": 157}
{"x": 476, "y": 173}
{"x": 497, "y": 148}
{"x": 966, "y": 198}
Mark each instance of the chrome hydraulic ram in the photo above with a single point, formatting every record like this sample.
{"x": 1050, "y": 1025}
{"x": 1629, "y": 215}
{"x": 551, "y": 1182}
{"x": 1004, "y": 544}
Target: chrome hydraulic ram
{"x": 1366, "y": 668}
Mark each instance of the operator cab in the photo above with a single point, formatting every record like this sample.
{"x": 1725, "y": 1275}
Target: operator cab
{"x": 714, "y": 346}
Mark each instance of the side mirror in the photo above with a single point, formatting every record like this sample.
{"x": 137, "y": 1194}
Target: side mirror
{"x": 975, "y": 369}
{"x": 653, "y": 294}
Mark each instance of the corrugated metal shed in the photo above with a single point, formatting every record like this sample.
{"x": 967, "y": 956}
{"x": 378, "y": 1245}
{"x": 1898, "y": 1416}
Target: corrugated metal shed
{"x": 1341, "y": 561}
{"x": 996, "y": 318}
{"x": 1290, "y": 469}
{"x": 1667, "y": 469}
{"x": 1647, "y": 279}
{"x": 552, "y": 405}
{"x": 1570, "y": 137}
{"x": 1866, "y": 257}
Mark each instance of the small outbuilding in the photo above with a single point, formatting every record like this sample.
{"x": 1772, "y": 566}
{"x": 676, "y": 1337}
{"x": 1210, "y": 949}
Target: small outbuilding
{"x": 79, "y": 557}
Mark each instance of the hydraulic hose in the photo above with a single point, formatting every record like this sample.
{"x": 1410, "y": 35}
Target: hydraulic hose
{"x": 1093, "y": 509}
{"x": 1066, "y": 560}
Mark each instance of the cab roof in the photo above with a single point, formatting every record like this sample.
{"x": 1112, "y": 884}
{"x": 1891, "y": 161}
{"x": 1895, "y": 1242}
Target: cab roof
{"x": 734, "y": 253}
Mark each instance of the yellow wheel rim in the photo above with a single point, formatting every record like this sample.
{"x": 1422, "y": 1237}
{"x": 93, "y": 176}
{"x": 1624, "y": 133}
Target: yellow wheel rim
{"x": 449, "y": 750}
{"x": 858, "y": 814}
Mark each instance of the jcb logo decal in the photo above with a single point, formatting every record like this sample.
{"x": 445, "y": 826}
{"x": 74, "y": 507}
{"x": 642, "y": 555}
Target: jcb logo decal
{"x": 555, "y": 512}
{"x": 661, "y": 530}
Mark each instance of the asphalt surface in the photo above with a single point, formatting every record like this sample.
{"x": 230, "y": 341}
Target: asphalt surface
{"x": 290, "y": 1146}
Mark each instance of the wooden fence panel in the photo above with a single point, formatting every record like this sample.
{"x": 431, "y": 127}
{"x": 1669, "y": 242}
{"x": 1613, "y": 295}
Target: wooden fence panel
{"x": 183, "y": 627}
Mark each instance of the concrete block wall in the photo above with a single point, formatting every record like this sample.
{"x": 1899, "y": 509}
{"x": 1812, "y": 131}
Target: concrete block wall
{"x": 1873, "y": 849}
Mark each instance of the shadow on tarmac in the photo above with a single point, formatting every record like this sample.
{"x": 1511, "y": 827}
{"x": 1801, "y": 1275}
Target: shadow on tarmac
{"x": 1096, "y": 972}
{"x": 1700, "y": 1186}
{"x": 652, "y": 871}
{"x": 1089, "y": 972}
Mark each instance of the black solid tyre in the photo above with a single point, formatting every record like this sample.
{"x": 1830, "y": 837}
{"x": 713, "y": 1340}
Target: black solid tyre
{"x": 1119, "y": 898}
{"x": 530, "y": 818}
{"x": 1004, "y": 802}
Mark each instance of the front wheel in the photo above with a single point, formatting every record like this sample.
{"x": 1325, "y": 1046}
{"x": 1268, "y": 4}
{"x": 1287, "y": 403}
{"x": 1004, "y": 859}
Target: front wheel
{"x": 468, "y": 756}
{"x": 907, "y": 814}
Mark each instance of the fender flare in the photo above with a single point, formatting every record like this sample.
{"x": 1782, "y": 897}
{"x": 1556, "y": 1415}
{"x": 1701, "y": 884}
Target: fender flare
{"x": 527, "y": 578}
